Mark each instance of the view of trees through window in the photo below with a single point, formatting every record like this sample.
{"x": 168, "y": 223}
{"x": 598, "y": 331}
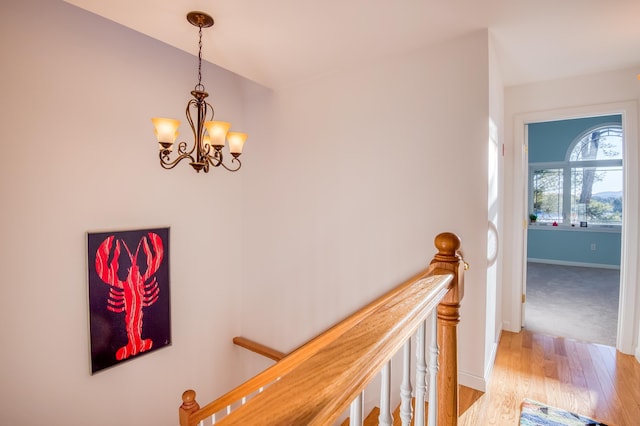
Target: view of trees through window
{"x": 547, "y": 194}
{"x": 585, "y": 188}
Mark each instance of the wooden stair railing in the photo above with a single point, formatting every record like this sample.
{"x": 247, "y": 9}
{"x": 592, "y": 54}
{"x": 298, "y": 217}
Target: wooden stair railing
{"x": 317, "y": 382}
{"x": 268, "y": 352}
{"x": 259, "y": 348}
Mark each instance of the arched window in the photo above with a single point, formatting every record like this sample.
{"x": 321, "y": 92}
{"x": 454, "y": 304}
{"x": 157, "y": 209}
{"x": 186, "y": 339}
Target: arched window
{"x": 585, "y": 189}
{"x": 596, "y": 177}
{"x": 601, "y": 143}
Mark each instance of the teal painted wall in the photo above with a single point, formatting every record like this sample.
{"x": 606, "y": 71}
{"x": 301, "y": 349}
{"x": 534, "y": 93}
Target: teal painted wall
{"x": 549, "y": 142}
{"x": 573, "y": 245}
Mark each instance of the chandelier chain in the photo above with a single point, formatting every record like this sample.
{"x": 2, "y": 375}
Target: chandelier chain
{"x": 200, "y": 86}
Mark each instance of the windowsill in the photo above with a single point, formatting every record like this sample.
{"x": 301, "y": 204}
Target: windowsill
{"x": 615, "y": 229}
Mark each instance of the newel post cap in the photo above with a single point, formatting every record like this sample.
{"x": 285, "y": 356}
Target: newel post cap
{"x": 449, "y": 258}
{"x": 189, "y": 405}
{"x": 448, "y": 245}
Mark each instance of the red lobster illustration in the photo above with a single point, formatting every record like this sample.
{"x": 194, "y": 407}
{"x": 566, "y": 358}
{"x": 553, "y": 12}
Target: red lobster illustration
{"x": 136, "y": 292}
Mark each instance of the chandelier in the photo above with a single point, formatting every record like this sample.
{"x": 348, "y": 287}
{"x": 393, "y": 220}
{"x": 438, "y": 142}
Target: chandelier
{"x": 209, "y": 136}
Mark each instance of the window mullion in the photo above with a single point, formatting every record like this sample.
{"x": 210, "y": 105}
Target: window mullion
{"x": 566, "y": 195}
{"x": 531, "y": 187}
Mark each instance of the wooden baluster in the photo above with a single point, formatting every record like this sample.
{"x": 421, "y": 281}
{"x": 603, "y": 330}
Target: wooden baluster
{"x": 189, "y": 405}
{"x": 405, "y": 388}
{"x": 421, "y": 371}
{"x": 433, "y": 371}
{"x": 448, "y": 310}
{"x": 385, "y": 418}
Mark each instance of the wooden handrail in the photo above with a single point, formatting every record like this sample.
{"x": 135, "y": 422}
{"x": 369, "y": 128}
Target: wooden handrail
{"x": 315, "y": 383}
{"x": 259, "y": 348}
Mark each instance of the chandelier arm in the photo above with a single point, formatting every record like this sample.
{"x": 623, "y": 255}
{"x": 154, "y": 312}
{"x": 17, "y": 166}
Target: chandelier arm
{"x": 182, "y": 148}
{"x": 166, "y": 164}
{"x": 192, "y": 102}
{"x": 235, "y": 160}
{"x": 209, "y": 107}
{"x": 215, "y": 158}
{"x": 199, "y": 132}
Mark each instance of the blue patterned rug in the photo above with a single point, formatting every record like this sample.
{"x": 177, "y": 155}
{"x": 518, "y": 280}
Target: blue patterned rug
{"x": 535, "y": 413}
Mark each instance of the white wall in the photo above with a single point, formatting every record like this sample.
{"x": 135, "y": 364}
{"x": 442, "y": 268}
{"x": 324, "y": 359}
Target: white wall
{"x": 357, "y": 174}
{"x": 584, "y": 93}
{"x": 79, "y": 154}
{"x": 346, "y": 181}
{"x": 495, "y": 210}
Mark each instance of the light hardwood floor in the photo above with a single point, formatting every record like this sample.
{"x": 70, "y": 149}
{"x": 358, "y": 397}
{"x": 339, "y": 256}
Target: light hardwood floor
{"x": 588, "y": 379}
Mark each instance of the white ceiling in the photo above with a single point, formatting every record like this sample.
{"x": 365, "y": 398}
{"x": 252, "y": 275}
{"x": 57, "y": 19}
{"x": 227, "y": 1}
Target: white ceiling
{"x": 279, "y": 42}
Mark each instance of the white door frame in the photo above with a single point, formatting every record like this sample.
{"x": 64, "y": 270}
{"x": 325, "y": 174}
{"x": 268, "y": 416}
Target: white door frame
{"x": 629, "y": 292}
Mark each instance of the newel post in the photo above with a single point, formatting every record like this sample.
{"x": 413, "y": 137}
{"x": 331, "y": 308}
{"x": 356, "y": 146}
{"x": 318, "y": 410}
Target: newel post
{"x": 448, "y": 312}
{"x": 189, "y": 405}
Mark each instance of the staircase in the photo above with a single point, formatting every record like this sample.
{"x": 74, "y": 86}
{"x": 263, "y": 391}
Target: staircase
{"x": 326, "y": 377}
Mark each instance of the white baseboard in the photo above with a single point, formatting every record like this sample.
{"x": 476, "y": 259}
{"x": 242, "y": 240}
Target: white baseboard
{"x": 491, "y": 361}
{"x": 506, "y": 326}
{"x": 472, "y": 381}
{"x": 568, "y": 263}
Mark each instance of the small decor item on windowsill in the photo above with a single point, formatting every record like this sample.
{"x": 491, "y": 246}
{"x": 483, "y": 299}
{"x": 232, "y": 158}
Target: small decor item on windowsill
{"x": 554, "y": 223}
{"x": 583, "y": 224}
{"x": 533, "y": 217}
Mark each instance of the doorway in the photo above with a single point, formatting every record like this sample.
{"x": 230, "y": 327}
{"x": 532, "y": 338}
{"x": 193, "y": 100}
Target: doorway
{"x": 575, "y": 205}
{"x": 625, "y": 337}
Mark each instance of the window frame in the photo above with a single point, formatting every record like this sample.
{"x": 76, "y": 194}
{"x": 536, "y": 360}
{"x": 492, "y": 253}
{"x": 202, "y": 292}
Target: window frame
{"x": 567, "y": 165}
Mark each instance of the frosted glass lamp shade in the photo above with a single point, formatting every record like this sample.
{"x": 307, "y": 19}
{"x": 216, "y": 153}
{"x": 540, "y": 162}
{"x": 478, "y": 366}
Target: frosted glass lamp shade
{"x": 236, "y": 142}
{"x": 166, "y": 130}
{"x": 217, "y": 131}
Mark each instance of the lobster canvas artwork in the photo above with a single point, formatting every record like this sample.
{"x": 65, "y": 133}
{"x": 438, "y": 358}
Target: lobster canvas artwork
{"x": 128, "y": 294}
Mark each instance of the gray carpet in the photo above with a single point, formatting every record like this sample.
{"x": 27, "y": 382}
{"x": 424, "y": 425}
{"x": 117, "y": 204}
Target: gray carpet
{"x": 576, "y": 302}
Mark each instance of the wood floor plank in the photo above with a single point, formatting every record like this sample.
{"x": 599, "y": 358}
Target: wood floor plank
{"x": 583, "y": 401}
{"x": 559, "y": 347}
{"x": 526, "y": 378}
{"x": 605, "y": 366}
{"x": 537, "y": 369}
{"x": 493, "y": 414}
{"x": 609, "y": 394}
{"x": 567, "y": 397}
{"x": 622, "y": 368}
{"x": 527, "y": 339}
{"x": 592, "y": 380}
{"x": 627, "y": 378}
